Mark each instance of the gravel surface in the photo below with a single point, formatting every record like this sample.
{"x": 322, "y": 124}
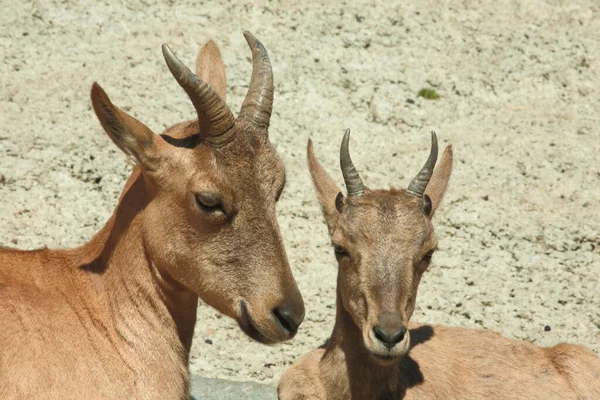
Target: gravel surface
{"x": 519, "y": 99}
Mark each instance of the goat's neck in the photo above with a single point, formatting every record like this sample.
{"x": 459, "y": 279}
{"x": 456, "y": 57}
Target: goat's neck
{"x": 141, "y": 296}
{"x": 355, "y": 368}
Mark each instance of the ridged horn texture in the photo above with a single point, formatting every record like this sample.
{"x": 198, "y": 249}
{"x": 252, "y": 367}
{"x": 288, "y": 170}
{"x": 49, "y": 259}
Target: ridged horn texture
{"x": 214, "y": 117}
{"x": 354, "y": 184}
{"x": 419, "y": 183}
{"x": 258, "y": 104}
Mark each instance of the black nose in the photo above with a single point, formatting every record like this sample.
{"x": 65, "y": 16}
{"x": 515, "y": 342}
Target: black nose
{"x": 289, "y": 316}
{"x": 389, "y": 337}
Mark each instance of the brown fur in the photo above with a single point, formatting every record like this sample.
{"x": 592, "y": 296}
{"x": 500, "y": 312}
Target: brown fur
{"x": 385, "y": 234}
{"x": 115, "y": 317}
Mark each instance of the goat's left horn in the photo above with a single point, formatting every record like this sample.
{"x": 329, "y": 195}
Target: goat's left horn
{"x": 258, "y": 104}
{"x": 354, "y": 184}
{"x": 214, "y": 116}
{"x": 419, "y": 183}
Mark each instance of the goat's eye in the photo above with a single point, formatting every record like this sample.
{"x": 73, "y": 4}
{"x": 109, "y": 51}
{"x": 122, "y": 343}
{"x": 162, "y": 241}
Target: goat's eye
{"x": 209, "y": 202}
{"x": 340, "y": 251}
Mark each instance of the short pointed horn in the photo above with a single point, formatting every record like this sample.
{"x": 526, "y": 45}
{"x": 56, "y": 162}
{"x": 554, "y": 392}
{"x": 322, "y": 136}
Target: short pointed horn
{"x": 419, "y": 183}
{"x": 214, "y": 117}
{"x": 258, "y": 103}
{"x": 354, "y": 184}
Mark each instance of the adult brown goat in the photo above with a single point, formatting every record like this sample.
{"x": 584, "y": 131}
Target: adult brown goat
{"x": 384, "y": 241}
{"x": 115, "y": 317}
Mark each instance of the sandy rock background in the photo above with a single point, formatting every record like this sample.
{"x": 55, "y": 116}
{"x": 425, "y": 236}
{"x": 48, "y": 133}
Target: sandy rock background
{"x": 520, "y": 101}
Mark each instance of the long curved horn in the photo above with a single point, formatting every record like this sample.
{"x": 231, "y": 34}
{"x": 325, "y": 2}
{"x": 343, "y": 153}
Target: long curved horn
{"x": 354, "y": 184}
{"x": 214, "y": 117}
{"x": 258, "y": 103}
{"x": 419, "y": 183}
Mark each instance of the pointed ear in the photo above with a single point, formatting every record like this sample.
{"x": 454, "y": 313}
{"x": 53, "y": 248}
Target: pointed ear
{"x": 327, "y": 190}
{"x": 439, "y": 180}
{"x": 129, "y": 134}
{"x": 210, "y": 68}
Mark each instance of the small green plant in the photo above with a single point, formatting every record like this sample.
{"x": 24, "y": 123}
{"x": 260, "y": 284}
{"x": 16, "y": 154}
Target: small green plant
{"x": 428, "y": 94}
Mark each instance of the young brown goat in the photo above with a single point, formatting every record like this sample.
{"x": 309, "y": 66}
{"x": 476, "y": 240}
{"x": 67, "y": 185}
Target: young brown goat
{"x": 114, "y": 318}
{"x": 383, "y": 242}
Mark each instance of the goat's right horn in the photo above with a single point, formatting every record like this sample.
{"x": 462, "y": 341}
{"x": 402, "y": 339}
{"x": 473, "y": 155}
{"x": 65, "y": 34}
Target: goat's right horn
{"x": 354, "y": 184}
{"x": 258, "y": 104}
{"x": 214, "y": 116}
{"x": 419, "y": 183}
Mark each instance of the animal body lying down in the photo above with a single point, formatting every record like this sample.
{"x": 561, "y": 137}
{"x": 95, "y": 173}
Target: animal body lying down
{"x": 384, "y": 241}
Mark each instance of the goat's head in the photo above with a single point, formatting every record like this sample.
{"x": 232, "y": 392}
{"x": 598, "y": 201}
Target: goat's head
{"x": 383, "y": 241}
{"x": 211, "y": 223}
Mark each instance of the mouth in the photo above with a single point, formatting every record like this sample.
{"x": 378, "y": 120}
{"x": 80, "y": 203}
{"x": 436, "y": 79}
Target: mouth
{"x": 248, "y": 326}
{"x": 386, "y": 359}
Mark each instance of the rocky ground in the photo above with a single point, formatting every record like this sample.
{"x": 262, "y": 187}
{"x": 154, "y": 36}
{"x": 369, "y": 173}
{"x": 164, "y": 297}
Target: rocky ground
{"x": 519, "y": 99}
